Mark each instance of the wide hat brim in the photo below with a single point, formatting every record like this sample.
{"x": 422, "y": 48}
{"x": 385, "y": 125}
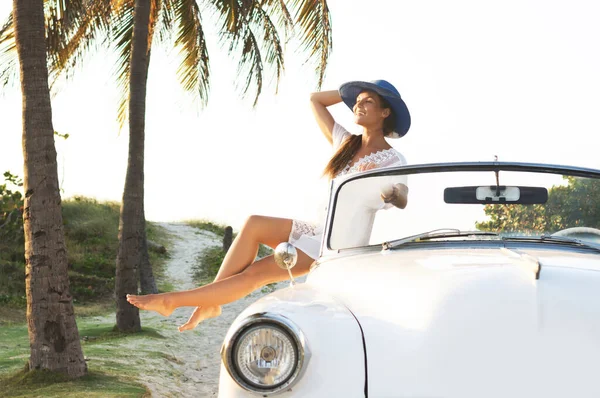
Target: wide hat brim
{"x": 350, "y": 91}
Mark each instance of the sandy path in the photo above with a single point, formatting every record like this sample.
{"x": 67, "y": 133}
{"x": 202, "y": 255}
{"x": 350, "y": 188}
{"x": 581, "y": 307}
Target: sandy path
{"x": 189, "y": 363}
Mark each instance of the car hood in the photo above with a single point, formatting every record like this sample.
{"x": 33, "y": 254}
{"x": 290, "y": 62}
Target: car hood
{"x": 457, "y": 323}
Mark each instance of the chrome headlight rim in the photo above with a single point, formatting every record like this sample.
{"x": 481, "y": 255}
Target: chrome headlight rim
{"x": 267, "y": 319}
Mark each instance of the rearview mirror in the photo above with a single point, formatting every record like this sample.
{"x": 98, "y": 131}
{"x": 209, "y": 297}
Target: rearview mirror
{"x": 496, "y": 195}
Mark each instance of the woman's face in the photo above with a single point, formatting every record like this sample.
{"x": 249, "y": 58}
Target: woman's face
{"x": 368, "y": 111}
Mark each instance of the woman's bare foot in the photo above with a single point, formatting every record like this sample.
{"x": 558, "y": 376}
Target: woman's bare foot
{"x": 151, "y": 302}
{"x": 200, "y": 314}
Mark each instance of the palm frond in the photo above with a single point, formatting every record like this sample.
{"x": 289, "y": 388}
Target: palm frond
{"x": 68, "y": 12}
{"x": 122, "y": 35}
{"x": 251, "y": 64}
{"x": 8, "y": 54}
{"x": 61, "y": 17}
{"x": 314, "y": 22}
{"x": 194, "y": 71}
{"x": 271, "y": 43}
{"x": 246, "y": 28}
{"x": 155, "y": 11}
{"x": 233, "y": 17}
{"x": 234, "y": 12}
{"x": 74, "y": 28}
{"x": 279, "y": 9}
{"x": 166, "y": 20}
{"x": 7, "y": 31}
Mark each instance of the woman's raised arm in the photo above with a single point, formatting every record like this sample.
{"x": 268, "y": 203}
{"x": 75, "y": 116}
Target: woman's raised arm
{"x": 319, "y": 102}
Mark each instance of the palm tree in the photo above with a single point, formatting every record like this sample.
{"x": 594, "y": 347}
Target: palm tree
{"x": 53, "y": 333}
{"x": 250, "y": 29}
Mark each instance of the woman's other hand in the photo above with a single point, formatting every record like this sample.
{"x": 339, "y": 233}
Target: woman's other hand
{"x": 396, "y": 194}
{"x": 366, "y": 166}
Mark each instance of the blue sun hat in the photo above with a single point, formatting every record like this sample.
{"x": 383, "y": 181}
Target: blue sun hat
{"x": 349, "y": 92}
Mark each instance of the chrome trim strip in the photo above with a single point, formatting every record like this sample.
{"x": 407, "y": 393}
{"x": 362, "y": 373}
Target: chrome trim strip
{"x": 266, "y": 318}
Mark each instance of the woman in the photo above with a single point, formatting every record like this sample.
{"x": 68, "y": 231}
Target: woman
{"x": 379, "y": 109}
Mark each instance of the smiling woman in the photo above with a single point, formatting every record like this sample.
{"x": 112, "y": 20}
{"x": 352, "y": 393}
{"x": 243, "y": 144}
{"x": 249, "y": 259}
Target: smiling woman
{"x": 381, "y": 112}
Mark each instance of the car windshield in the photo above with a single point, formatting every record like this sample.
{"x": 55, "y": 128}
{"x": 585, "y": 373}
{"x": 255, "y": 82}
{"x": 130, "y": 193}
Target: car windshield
{"x": 452, "y": 205}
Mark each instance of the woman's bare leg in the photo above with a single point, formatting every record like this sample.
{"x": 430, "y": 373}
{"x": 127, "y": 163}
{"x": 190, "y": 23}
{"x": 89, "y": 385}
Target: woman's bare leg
{"x": 225, "y": 291}
{"x": 243, "y": 250}
{"x": 257, "y": 229}
{"x": 269, "y": 231}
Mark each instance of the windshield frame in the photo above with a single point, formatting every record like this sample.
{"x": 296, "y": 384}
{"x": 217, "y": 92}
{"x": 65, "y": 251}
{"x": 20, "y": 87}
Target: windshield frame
{"x": 337, "y": 185}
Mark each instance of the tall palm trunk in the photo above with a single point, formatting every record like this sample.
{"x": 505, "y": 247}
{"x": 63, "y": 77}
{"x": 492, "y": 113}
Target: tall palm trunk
{"x": 132, "y": 221}
{"x": 53, "y": 334}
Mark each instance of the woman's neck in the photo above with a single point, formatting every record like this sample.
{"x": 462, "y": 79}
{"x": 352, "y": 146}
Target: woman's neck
{"x": 373, "y": 138}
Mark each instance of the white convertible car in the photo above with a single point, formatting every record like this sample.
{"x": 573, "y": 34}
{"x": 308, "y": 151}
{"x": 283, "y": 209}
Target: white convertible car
{"x": 486, "y": 285}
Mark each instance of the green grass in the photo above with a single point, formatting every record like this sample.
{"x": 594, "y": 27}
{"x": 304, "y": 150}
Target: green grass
{"x": 101, "y": 341}
{"x": 96, "y": 308}
{"x": 102, "y": 333}
{"x": 162, "y": 237}
{"x": 164, "y": 286}
{"x": 205, "y": 225}
{"x": 106, "y": 349}
{"x": 47, "y": 384}
{"x": 91, "y": 235}
{"x": 14, "y": 346}
{"x": 15, "y": 314}
{"x": 10, "y": 314}
{"x": 12, "y": 274}
{"x": 207, "y": 265}
{"x": 91, "y": 230}
{"x": 158, "y": 260}
{"x": 112, "y": 367}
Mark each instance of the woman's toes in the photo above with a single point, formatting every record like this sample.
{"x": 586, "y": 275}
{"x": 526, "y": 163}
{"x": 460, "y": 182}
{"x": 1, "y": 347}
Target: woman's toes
{"x": 185, "y": 326}
{"x": 131, "y": 298}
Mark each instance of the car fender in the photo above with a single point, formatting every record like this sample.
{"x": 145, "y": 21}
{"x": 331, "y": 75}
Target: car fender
{"x": 336, "y": 366}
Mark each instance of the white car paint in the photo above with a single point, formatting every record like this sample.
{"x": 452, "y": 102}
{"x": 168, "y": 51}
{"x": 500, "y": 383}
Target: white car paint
{"x": 445, "y": 323}
{"x": 464, "y": 323}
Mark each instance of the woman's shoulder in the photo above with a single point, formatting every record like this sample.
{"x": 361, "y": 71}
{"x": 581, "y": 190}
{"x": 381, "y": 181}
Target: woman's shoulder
{"x": 339, "y": 129}
{"x": 339, "y": 134}
{"x": 400, "y": 156}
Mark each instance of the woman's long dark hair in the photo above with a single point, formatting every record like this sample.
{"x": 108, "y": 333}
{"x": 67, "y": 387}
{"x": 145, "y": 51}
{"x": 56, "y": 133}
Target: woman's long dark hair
{"x": 351, "y": 145}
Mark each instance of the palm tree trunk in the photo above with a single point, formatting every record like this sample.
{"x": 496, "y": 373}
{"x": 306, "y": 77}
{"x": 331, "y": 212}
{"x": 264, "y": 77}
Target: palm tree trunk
{"x": 53, "y": 334}
{"x": 132, "y": 221}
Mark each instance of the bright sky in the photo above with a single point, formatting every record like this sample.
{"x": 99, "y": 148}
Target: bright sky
{"x": 518, "y": 79}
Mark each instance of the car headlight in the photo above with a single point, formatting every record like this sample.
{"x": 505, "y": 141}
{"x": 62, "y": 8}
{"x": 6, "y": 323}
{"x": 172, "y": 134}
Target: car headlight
{"x": 266, "y": 353}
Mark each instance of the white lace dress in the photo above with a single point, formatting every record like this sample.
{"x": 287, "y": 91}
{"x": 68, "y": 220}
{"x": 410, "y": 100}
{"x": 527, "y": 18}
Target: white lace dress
{"x": 306, "y": 236}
